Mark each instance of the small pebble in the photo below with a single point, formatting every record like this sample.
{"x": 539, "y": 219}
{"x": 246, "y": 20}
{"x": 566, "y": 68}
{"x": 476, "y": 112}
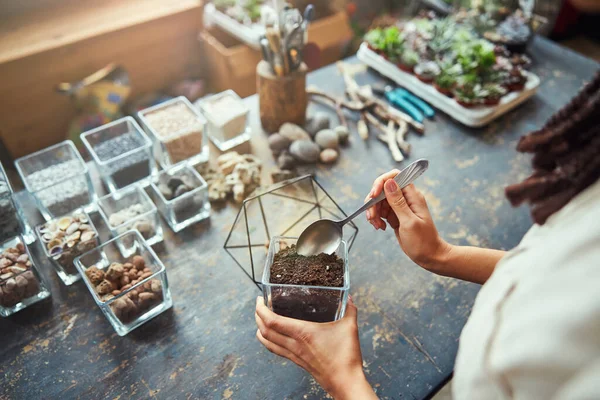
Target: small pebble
{"x": 165, "y": 190}
{"x": 293, "y": 132}
{"x": 278, "y": 143}
{"x": 305, "y": 150}
{"x": 343, "y": 133}
{"x": 328, "y": 156}
{"x": 327, "y": 139}
{"x": 286, "y": 161}
{"x": 317, "y": 123}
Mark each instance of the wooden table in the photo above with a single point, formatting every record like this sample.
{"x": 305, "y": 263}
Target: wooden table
{"x": 205, "y": 347}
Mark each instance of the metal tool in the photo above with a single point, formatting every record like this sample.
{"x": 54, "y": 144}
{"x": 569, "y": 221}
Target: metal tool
{"x": 309, "y": 15}
{"x": 325, "y": 235}
{"x": 407, "y": 102}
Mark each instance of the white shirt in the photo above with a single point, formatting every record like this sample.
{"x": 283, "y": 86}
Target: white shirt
{"x": 534, "y": 332}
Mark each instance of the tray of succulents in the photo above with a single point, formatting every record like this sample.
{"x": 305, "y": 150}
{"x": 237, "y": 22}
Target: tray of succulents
{"x": 245, "y": 22}
{"x": 447, "y": 64}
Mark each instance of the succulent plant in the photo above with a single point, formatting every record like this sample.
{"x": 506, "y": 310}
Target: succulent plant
{"x": 409, "y": 58}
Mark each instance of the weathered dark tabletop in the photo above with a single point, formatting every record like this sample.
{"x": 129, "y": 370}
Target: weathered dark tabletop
{"x": 205, "y": 347}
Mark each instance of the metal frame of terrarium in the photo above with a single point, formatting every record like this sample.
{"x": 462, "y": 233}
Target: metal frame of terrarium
{"x": 316, "y": 203}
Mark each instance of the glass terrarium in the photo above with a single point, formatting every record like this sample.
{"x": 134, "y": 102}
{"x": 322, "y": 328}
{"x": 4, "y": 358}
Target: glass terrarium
{"x": 284, "y": 209}
{"x": 58, "y": 179}
{"x": 131, "y": 209}
{"x": 21, "y": 285}
{"x": 121, "y": 151}
{"x": 306, "y": 302}
{"x": 65, "y": 238}
{"x": 181, "y": 210}
{"x": 227, "y": 117}
{"x": 177, "y": 130}
{"x": 137, "y": 288}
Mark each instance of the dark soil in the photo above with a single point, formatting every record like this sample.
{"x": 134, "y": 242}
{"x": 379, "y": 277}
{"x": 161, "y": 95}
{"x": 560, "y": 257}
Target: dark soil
{"x": 293, "y": 269}
{"x": 316, "y": 305}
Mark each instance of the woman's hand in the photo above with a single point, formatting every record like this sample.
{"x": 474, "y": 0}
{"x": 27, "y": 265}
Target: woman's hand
{"x": 330, "y": 352}
{"x": 407, "y": 214}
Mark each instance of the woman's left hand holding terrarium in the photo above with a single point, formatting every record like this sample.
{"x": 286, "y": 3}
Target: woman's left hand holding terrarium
{"x": 330, "y": 351}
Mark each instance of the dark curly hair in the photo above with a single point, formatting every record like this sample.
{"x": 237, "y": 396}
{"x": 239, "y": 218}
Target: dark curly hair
{"x": 566, "y": 155}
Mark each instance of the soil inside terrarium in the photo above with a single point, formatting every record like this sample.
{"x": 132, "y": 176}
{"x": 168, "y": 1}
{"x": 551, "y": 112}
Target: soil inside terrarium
{"x": 309, "y": 304}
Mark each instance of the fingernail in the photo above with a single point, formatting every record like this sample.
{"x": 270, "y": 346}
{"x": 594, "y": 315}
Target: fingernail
{"x": 391, "y": 186}
{"x": 368, "y": 214}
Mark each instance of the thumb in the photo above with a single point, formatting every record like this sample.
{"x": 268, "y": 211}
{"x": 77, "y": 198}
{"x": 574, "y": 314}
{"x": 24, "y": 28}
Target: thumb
{"x": 397, "y": 202}
{"x": 351, "y": 310}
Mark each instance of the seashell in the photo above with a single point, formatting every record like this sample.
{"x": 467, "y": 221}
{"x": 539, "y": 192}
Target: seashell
{"x": 73, "y": 237}
{"x": 59, "y": 235}
{"x": 46, "y": 237}
{"x": 87, "y": 235}
{"x": 82, "y": 218}
{"x": 72, "y": 228}
{"x": 64, "y": 223}
{"x": 54, "y": 243}
{"x": 51, "y": 226}
{"x": 56, "y": 250}
{"x": 85, "y": 227}
{"x": 71, "y": 243}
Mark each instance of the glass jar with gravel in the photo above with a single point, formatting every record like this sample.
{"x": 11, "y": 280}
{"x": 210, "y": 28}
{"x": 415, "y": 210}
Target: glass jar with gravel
{"x": 21, "y": 285}
{"x": 227, "y": 119}
{"x": 177, "y": 130}
{"x": 181, "y": 196}
{"x": 121, "y": 151}
{"x": 58, "y": 179}
{"x": 131, "y": 209}
{"x": 130, "y": 288}
{"x": 66, "y": 238}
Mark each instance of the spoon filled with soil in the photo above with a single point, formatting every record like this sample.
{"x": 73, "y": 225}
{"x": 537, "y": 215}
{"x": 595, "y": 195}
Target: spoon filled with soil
{"x": 325, "y": 235}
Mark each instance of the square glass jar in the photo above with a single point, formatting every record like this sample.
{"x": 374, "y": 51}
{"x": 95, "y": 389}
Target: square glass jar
{"x": 309, "y": 303}
{"x": 20, "y": 289}
{"x": 227, "y": 119}
{"x": 12, "y": 220}
{"x": 177, "y": 130}
{"x": 131, "y": 209}
{"x": 127, "y": 309}
{"x": 62, "y": 259}
{"x": 58, "y": 179}
{"x": 121, "y": 151}
{"x": 187, "y": 209}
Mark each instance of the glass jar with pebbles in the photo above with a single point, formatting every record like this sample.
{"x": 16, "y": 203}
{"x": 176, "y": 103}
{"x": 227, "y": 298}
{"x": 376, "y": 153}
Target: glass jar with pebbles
{"x": 21, "y": 285}
{"x": 131, "y": 209}
{"x": 121, "y": 151}
{"x": 227, "y": 119}
{"x": 65, "y": 238}
{"x": 58, "y": 179}
{"x": 177, "y": 130}
{"x": 131, "y": 288}
{"x": 181, "y": 195}
{"x": 311, "y": 288}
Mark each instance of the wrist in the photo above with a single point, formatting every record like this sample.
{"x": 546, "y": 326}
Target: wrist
{"x": 438, "y": 260}
{"x": 353, "y": 386}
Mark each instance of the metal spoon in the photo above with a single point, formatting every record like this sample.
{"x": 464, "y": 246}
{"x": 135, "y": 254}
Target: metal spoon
{"x": 325, "y": 235}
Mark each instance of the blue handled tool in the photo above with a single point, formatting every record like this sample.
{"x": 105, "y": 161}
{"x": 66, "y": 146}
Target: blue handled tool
{"x": 407, "y": 102}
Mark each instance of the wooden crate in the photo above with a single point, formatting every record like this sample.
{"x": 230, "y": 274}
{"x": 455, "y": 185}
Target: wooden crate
{"x": 154, "y": 40}
{"x": 231, "y": 64}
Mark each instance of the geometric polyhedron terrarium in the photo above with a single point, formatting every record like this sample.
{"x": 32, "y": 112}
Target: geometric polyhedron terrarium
{"x": 283, "y": 209}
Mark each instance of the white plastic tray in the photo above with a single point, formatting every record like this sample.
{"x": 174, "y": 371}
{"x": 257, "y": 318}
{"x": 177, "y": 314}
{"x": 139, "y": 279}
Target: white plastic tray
{"x": 474, "y": 117}
{"x": 248, "y": 34}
